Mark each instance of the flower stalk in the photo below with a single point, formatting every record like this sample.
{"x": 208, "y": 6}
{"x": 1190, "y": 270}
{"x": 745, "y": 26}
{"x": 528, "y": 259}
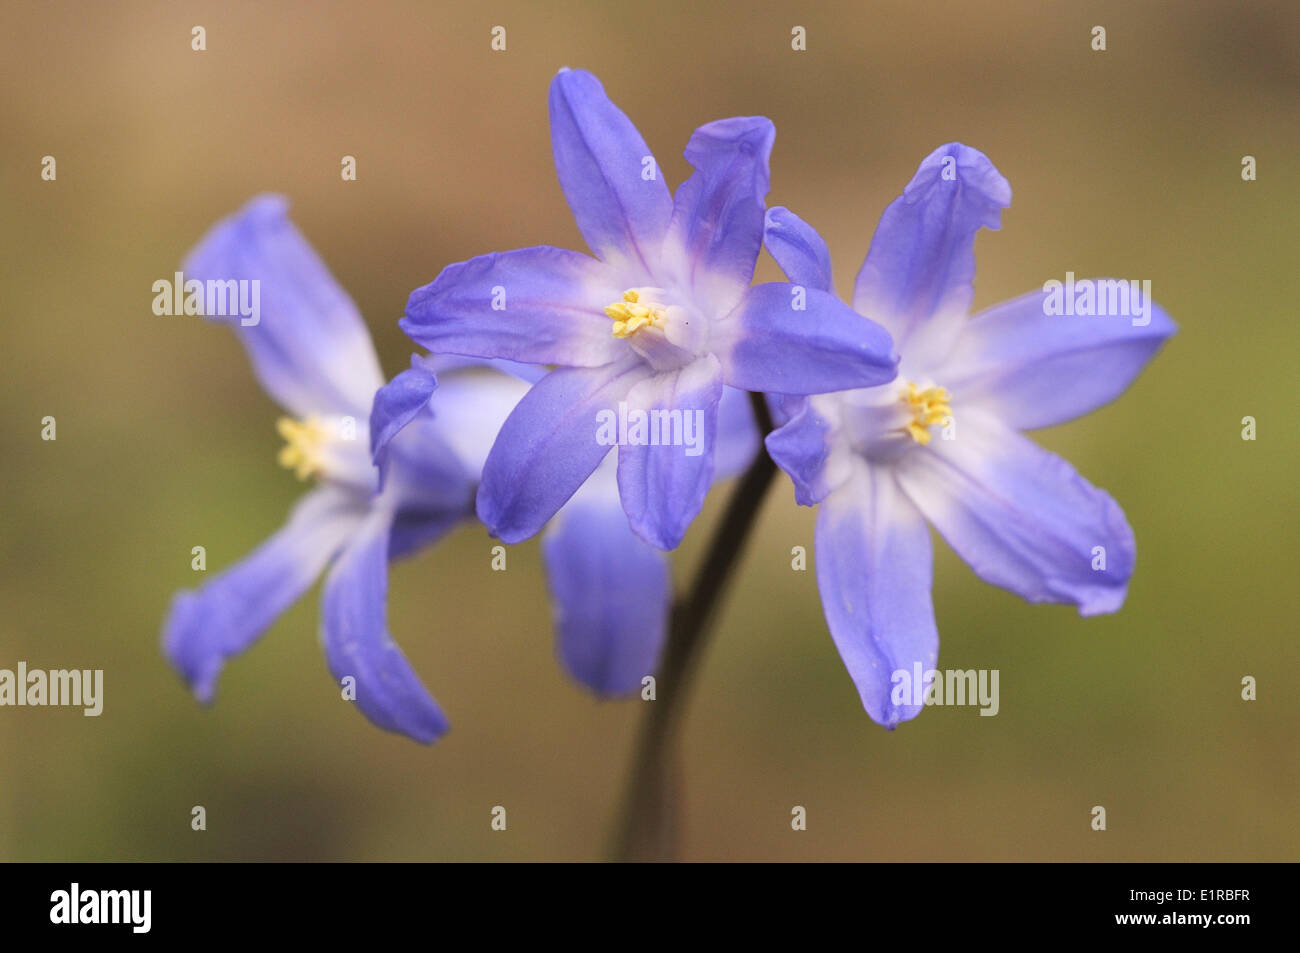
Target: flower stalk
{"x": 650, "y": 824}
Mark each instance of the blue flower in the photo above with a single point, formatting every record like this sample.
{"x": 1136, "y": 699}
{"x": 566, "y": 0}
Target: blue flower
{"x": 659, "y": 320}
{"x": 312, "y": 354}
{"x": 942, "y": 444}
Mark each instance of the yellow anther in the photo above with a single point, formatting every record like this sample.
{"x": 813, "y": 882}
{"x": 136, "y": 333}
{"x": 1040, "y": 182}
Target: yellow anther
{"x": 304, "y": 441}
{"x": 631, "y": 315}
{"x": 929, "y": 407}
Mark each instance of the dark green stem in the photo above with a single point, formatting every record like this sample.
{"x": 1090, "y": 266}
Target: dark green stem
{"x": 650, "y": 823}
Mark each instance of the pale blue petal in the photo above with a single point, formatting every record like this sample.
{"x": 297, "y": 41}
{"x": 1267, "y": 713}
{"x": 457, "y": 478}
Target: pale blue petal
{"x": 549, "y": 445}
{"x": 663, "y": 487}
{"x": 611, "y": 591}
{"x": 738, "y": 437}
{"x": 354, "y": 631}
{"x": 918, "y": 277}
{"x": 803, "y": 448}
{"x": 310, "y": 349}
{"x": 1021, "y": 517}
{"x": 395, "y": 404}
{"x": 1031, "y": 369}
{"x": 537, "y": 305}
{"x": 231, "y": 611}
{"x": 472, "y": 405}
{"x": 717, "y": 225}
{"x": 614, "y": 187}
{"x": 789, "y": 339}
{"x": 873, "y": 571}
{"x": 798, "y": 249}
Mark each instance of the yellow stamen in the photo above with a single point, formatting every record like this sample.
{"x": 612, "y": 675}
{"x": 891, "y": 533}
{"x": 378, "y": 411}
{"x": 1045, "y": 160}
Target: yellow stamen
{"x": 631, "y": 314}
{"x": 928, "y": 407}
{"x": 304, "y": 441}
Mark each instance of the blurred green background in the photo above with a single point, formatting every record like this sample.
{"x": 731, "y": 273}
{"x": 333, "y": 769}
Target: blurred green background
{"x": 1123, "y": 163}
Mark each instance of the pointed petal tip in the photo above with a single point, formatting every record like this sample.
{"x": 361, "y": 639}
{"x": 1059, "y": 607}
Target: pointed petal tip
{"x": 432, "y": 733}
{"x": 396, "y": 404}
{"x": 267, "y": 204}
{"x": 495, "y": 520}
{"x": 198, "y": 672}
{"x": 662, "y": 538}
{"x": 568, "y": 79}
{"x": 750, "y": 135}
{"x": 1106, "y": 602}
{"x": 895, "y": 715}
{"x": 970, "y": 167}
{"x": 431, "y": 729}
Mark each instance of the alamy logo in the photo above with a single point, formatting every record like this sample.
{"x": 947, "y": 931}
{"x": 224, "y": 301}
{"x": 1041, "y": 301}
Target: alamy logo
{"x": 1105, "y": 297}
{"x": 953, "y": 687}
{"x": 211, "y": 298}
{"x": 651, "y": 428}
{"x": 56, "y": 687}
{"x": 75, "y": 905}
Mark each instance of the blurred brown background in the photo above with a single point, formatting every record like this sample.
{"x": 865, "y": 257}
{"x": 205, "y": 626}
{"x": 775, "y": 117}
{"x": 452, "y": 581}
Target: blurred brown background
{"x": 1123, "y": 163}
